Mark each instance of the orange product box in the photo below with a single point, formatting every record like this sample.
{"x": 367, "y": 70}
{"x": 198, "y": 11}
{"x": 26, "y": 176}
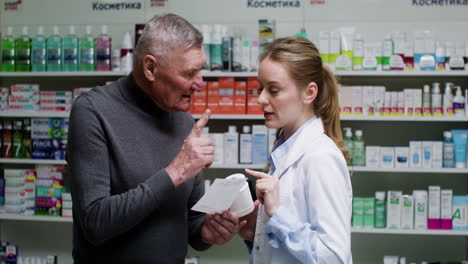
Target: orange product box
{"x": 226, "y": 95}
{"x": 240, "y": 97}
{"x": 253, "y": 108}
{"x": 199, "y": 100}
{"x": 213, "y": 97}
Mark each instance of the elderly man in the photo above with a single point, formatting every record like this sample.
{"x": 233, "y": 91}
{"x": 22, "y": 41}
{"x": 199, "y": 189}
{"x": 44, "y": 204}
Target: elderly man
{"x": 135, "y": 157}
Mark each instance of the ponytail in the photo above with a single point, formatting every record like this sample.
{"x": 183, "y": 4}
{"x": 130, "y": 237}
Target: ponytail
{"x": 327, "y": 108}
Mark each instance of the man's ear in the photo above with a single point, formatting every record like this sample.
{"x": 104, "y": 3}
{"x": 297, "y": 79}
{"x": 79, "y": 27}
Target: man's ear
{"x": 310, "y": 93}
{"x": 150, "y": 67}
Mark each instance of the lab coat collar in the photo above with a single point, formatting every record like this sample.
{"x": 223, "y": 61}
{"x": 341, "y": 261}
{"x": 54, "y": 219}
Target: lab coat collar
{"x": 303, "y": 142}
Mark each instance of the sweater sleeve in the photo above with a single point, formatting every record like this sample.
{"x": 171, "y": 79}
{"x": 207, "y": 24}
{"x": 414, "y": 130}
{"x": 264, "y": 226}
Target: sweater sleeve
{"x": 101, "y": 214}
{"x": 196, "y": 219}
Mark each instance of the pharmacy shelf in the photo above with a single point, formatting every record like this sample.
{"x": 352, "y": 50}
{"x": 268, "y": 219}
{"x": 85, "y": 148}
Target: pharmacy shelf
{"x": 241, "y": 74}
{"x": 14, "y": 217}
{"x": 402, "y": 73}
{"x": 361, "y": 230}
{"x": 404, "y": 118}
{"x": 33, "y": 161}
{"x": 61, "y": 74}
{"x": 233, "y": 117}
{"x": 410, "y": 170}
{"x": 351, "y": 118}
{"x": 33, "y": 114}
{"x": 238, "y": 166}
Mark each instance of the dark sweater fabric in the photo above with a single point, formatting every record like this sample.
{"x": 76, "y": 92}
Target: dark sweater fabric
{"x": 125, "y": 207}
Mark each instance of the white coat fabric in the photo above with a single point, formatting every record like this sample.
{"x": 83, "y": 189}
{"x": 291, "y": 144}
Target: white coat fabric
{"x": 313, "y": 223}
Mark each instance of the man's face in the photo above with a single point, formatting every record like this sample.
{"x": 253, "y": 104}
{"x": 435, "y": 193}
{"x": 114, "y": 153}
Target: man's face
{"x": 176, "y": 82}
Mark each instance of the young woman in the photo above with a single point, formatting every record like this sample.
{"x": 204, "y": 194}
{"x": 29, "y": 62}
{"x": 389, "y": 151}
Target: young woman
{"x": 306, "y": 198}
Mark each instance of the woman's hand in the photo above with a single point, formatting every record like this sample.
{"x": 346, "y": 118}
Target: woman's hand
{"x": 267, "y": 189}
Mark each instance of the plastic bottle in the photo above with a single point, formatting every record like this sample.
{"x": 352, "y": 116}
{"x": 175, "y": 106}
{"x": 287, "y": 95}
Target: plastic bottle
{"x": 216, "y": 54}
{"x": 358, "y": 47}
{"x": 103, "y": 50}
{"x": 245, "y": 143}
{"x": 18, "y": 139}
{"x": 387, "y": 52}
{"x": 23, "y": 52}
{"x": 70, "y": 51}
{"x": 206, "y": 31}
{"x": 87, "y": 61}
{"x": 359, "y": 150}
{"x": 440, "y": 56}
{"x": 231, "y": 146}
{"x": 126, "y": 53}
{"x": 237, "y": 53}
{"x": 380, "y": 212}
{"x": 459, "y": 103}
{"x": 54, "y": 51}
{"x": 448, "y": 100}
{"x": 448, "y": 151}
{"x": 38, "y": 51}
{"x": 115, "y": 60}
{"x": 436, "y": 100}
{"x": 8, "y": 51}
{"x": 348, "y": 143}
{"x": 426, "y": 101}
{"x": 227, "y": 50}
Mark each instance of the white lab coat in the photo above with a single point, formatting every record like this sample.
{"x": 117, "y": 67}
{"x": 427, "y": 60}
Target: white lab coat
{"x": 316, "y": 200}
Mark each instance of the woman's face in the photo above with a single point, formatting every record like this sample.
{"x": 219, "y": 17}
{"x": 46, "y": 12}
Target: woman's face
{"x": 282, "y": 101}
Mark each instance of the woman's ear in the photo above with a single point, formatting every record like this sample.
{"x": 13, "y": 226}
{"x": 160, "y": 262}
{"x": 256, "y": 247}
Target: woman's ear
{"x": 150, "y": 67}
{"x": 310, "y": 93}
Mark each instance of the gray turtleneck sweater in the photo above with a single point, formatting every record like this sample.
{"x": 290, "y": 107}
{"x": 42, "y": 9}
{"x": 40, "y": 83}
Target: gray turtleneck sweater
{"x": 125, "y": 207}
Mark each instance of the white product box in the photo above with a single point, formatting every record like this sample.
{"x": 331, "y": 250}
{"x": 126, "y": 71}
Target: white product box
{"x": 460, "y": 212}
{"x": 434, "y": 204}
{"x": 407, "y": 212}
{"x": 368, "y": 101}
{"x": 394, "y": 209}
{"x": 401, "y": 103}
{"x": 427, "y": 154}
{"x": 346, "y": 102}
{"x": 437, "y": 154}
{"x": 401, "y": 157}
{"x": 373, "y": 156}
{"x": 379, "y": 99}
{"x": 218, "y": 143}
{"x": 415, "y": 154}
{"x": 417, "y": 102}
{"x": 446, "y": 196}
{"x": 357, "y": 100}
{"x": 387, "y": 157}
{"x": 409, "y": 104}
{"x": 394, "y": 103}
{"x": 387, "y": 104}
{"x": 420, "y": 209}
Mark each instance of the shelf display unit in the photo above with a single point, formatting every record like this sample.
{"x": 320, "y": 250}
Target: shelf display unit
{"x": 29, "y": 229}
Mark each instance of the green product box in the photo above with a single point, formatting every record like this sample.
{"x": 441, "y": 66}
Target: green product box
{"x": 358, "y": 212}
{"x": 369, "y": 212}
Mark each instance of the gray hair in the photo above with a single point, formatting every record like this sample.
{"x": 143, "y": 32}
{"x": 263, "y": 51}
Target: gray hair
{"x": 164, "y": 33}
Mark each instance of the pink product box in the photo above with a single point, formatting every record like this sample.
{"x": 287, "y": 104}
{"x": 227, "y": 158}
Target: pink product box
{"x": 433, "y": 223}
{"x": 47, "y": 201}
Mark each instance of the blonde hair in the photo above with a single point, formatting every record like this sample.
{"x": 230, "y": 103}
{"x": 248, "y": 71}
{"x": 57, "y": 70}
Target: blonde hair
{"x": 302, "y": 61}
